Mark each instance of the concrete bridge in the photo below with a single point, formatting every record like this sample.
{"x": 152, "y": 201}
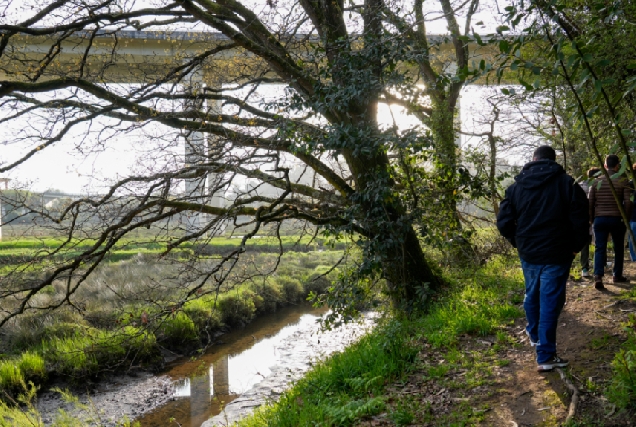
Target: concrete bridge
{"x": 144, "y": 57}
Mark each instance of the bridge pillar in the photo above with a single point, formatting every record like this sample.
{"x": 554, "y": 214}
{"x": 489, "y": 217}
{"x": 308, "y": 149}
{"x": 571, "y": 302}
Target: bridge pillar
{"x": 199, "y": 147}
{"x": 194, "y": 154}
{"x": 216, "y": 148}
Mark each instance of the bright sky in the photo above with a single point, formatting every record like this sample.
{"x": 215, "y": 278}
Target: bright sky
{"x": 65, "y": 167}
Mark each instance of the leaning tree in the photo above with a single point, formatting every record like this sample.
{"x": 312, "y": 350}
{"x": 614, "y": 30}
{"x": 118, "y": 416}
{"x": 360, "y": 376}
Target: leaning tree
{"x": 248, "y": 114}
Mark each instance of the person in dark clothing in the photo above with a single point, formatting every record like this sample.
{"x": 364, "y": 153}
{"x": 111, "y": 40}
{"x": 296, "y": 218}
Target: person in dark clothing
{"x": 607, "y": 220}
{"x": 585, "y": 252}
{"x": 545, "y": 216}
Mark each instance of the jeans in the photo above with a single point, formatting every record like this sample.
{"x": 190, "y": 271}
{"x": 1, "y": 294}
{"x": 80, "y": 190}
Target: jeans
{"x": 632, "y": 251}
{"x": 544, "y": 300}
{"x": 585, "y": 255}
{"x": 603, "y": 227}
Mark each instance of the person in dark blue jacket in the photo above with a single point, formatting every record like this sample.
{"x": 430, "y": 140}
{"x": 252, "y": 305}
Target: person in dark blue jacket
{"x": 545, "y": 216}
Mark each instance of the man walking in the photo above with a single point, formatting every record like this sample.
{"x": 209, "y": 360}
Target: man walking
{"x": 585, "y": 252}
{"x": 607, "y": 219}
{"x": 545, "y": 216}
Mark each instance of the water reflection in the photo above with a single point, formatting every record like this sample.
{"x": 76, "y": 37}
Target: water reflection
{"x": 205, "y": 385}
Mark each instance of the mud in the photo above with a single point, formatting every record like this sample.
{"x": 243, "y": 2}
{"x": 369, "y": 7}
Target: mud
{"x": 110, "y": 400}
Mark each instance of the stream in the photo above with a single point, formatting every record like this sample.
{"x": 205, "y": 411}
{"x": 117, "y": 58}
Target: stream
{"x": 245, "y": 369}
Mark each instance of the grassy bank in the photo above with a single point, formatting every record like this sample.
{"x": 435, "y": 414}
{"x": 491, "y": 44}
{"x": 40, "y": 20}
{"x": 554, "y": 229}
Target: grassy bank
{"x": 350, "y": 386}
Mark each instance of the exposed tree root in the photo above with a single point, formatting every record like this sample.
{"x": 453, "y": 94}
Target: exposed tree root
{"x": 575, "y": 395}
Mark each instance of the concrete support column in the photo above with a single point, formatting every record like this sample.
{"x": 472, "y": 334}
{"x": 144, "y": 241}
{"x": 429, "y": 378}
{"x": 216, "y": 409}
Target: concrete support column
{"x": 4, "y": 181}
{"x": 195, "y": 153}
{"x": 215, "y": 146}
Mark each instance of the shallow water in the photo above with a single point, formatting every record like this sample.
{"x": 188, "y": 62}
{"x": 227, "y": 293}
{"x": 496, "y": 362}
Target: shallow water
{"x": 203, "y": 386}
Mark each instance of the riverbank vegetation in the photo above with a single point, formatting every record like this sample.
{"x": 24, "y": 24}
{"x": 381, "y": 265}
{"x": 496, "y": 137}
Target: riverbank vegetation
{"x": 351, "y": 386}
{"x": 118, "y": 321}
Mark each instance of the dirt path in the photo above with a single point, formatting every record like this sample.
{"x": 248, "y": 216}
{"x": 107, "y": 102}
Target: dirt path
{"x": 506, "y": 390}
{"x": 589, "y": 335}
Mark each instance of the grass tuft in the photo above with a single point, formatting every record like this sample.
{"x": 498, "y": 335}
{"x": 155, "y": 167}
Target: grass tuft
{"x": 622, "y": 389}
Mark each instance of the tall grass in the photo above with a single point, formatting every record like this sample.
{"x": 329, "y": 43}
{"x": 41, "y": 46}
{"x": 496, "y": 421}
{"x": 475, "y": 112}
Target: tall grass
{"x": 90, "y": 350}
{"x": 480, "y": 302}
{"x": 16, "y": 372}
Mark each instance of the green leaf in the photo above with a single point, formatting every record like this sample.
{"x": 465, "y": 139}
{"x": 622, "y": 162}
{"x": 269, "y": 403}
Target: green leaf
{"x": 604, "y": 63}
{"x": 571, "y": 60}
{"x": 525, "y": 84}
{"x": 598, "y": 85}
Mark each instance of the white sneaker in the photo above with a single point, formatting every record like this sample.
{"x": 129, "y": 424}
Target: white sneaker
{"x": 585, "y": 273}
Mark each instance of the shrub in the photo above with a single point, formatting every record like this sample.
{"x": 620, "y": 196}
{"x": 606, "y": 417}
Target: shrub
{"x": 309, "y": 261}
{"x": 317, "y": 284}
{"x": 177, "y": 330}
{"x": 28, "y": 331}
{"x": 202, "y": 313}
{"x": 237, "y": 309}
{"x": 292, "y": 289}
{"x": 268, "y": 296}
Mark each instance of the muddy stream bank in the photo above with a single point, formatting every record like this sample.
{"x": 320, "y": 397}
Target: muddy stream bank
{"x": 246, "y": 368}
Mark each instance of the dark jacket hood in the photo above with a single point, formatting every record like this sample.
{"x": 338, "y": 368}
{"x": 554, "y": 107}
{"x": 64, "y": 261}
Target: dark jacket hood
{"x": 539, "y": 173}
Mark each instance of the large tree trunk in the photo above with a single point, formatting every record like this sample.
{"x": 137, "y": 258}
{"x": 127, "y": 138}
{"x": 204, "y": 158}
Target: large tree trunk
{"x": 446, "y": 159}
{"x": 393, "y": 241}
{"x": 410, "y": 279}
